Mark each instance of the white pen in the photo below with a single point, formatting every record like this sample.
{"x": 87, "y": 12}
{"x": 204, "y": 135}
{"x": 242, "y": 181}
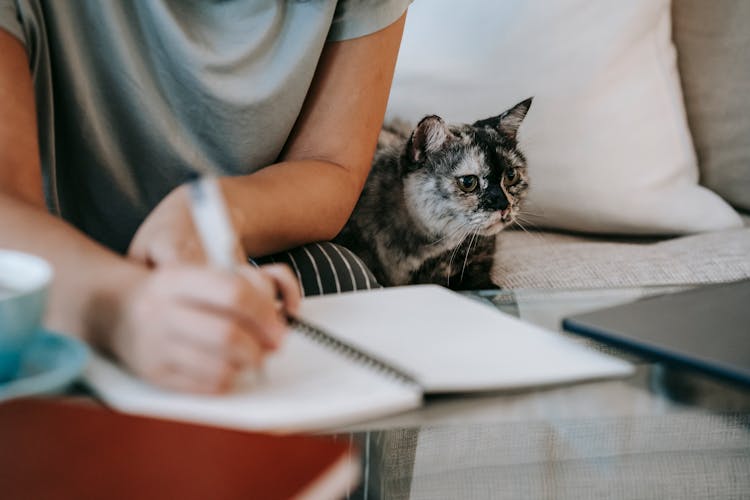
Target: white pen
{"x": 219, "y": 241}
{"x": 211, "y": 220}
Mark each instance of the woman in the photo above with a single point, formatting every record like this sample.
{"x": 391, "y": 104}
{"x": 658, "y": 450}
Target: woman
{"x": 109, "y": 107}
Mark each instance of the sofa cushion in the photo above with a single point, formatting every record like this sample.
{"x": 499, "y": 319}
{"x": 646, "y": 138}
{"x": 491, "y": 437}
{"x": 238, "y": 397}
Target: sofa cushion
{"x": 555, "y": 260}
{"x": 607, "y": 139}
{"x": 713, "y": 40}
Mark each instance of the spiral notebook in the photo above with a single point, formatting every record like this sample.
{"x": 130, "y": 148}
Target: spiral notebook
{"x": 362, "y": 355}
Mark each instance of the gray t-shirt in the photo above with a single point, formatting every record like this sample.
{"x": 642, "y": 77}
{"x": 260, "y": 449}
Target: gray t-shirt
{"x": 136, "y": 97}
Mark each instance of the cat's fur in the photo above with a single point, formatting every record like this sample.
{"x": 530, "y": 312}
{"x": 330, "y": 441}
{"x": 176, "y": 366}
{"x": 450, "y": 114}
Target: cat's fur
{"x": 415, "y": 224}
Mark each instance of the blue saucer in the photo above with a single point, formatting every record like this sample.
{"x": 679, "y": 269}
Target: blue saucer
{"x": 49, "y": 365}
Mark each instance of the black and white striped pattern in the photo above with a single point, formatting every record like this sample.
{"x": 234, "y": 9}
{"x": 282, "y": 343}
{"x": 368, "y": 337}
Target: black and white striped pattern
{"x": 325, "y": 267}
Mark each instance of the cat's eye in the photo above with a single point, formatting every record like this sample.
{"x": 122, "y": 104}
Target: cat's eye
{"x": 467, "y": 183}
{"x": 510, "y": 174}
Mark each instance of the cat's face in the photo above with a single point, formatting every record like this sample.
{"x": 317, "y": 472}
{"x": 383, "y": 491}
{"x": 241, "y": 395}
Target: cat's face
{"x": 466, "y": 179}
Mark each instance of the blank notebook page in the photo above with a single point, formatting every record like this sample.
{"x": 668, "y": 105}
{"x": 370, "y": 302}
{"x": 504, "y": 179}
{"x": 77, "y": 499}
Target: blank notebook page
{"x": 303, "y": 387}
{"x": 452, "y": 343}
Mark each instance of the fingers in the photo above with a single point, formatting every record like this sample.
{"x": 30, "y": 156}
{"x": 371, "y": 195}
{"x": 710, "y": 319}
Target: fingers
{"x": 286, "y": 284}
{"x": 217, "y": 335}
{"x": 209, "y": 370}
{"x": 249, "y": 297}
{"x": 178, "y": 379}
{"x": 201, "y": 352}
{"x": 196, "y": 329}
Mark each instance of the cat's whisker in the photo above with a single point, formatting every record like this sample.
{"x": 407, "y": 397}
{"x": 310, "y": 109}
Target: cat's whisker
{"x": 524, "y": 224}
{"x": 466, "y": 256}
{"x": 533, "y": 214}
{"x": 519, "y": 218}
{"x": 518, "y": 223}
{"x": 453, "y": 255}
{"x": 455, "y": 251}
{"x": 532, "y": 234}
{"x": 447, "y": 236}
{"x": 530, "y": 219}
{"x": 527, "y": 231}
{"x": 468, "y": 251}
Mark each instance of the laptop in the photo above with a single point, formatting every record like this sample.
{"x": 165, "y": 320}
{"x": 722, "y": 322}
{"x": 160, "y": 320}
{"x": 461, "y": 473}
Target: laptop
{"x": 706, "y": 329}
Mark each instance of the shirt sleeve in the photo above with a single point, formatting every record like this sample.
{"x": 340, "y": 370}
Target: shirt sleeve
{"x": 356, "y": 18}
{"x": 10, "y": 19}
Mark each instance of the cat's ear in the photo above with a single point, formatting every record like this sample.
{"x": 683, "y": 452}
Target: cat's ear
{"x": 429, "y": 136}
{"x": 508, "y": 122}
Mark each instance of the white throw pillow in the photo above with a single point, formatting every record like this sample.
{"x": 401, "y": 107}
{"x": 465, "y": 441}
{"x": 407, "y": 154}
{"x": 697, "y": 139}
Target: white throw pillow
{"x": 607, "y": 140}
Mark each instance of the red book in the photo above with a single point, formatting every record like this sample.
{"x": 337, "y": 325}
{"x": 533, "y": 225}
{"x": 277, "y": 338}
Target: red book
{"x": 53, "y": 449}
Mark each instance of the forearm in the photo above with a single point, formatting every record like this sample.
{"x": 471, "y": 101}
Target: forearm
{"x": 311, "y": 193}
{"x": 86, "y": 275}
{"x": 291, "y": 203}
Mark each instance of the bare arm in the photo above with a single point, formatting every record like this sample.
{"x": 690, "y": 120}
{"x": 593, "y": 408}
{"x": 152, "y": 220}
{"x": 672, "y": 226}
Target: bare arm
{"x": 25, "y": 223}
{"x": 185, "y": 327}
{"x": 310, "y": 194}
{"x": 328, "y": 156}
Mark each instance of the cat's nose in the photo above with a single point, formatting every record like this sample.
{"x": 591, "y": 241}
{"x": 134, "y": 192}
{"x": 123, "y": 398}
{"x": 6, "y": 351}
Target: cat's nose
{"x": 496, "y": 199}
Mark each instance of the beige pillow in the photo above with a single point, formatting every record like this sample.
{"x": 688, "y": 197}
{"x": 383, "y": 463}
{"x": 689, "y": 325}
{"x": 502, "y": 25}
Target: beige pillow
{"x": 713, "y": 45}
{"x": 607, "y": 139}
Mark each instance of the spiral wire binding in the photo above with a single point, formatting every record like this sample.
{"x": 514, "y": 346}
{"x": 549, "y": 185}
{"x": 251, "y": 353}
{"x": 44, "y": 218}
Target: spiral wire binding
{"x": 326, "y": 340}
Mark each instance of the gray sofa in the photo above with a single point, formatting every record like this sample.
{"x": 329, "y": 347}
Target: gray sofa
{"x": 712, "y": 42}
{"x": 544, "y": 259}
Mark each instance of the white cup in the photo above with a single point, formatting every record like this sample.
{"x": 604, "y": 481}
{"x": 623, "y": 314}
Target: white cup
{"x": 24, "y": 281}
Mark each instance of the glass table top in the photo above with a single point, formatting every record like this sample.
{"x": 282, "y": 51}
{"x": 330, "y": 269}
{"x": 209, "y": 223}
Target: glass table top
{"x": 662, "y": 433}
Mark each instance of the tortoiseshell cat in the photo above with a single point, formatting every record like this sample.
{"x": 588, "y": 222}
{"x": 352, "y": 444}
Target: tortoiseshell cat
{"x": 436, "y": 198}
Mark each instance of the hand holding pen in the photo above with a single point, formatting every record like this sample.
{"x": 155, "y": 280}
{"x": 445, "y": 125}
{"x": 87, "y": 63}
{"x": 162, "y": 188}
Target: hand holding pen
{"x": 197, "y": 328}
